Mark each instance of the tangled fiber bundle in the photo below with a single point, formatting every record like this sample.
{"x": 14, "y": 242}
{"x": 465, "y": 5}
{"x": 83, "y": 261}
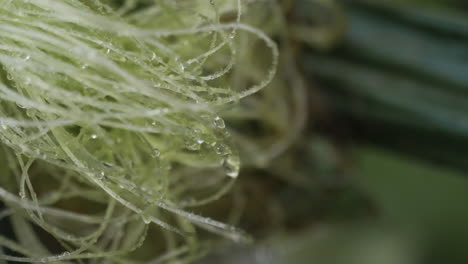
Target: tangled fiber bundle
{"x": 109, "y": 121}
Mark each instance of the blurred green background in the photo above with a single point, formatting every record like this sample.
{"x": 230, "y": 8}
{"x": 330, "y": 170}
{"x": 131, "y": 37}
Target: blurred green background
{"x": 387, "y": 144}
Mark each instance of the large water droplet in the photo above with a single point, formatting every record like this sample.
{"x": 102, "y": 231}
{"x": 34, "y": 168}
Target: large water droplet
{"x": 231, "y": 166}
{"x": 219, "y": 122}
{"x": 155, "y": 153}
{"x": 146, "y": 219}
{"x": 192, "y": 142}
{"x": 147, "y": 214}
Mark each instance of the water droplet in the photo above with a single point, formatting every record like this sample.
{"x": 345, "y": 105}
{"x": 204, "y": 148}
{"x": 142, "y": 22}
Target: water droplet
{"x": 21, "y": 106}
{"x": 200, "y": 141}
{"x": 231, "y": 166}
{"x": 146, "y": 219}
{"x": 146, "y": 215}
{"x": 222, "y": 149}
{"x": 192, "y": 145}
{"x": 84, "y": 66}
{"x": 108, "y": 165}
{"x": 155, "y": 153}
{"x": 108, "y": 51}
{"x": 27, "y": 58}
{"x": 193, "y": 136}
{"x": 219, "y": 122}
{"x": 94, "y": 136}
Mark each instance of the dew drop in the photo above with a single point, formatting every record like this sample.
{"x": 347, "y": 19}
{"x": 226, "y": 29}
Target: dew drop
{"x": 108, "y": 165}
{"x": 94, "y": 136}
{"x": 146, "y": 215}
{"x": 231, "y": 166}
{"x": 146, "y": 219}
{"x": 155, "y": 153}
{"x": 222, "y": 149}
{"x": 21, "y": 106}
{"x": 192, "y": 145}
{"x": 219, "y": 122}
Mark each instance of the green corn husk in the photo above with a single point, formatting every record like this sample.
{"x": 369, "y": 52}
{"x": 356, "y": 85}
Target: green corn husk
{"x": 401, "y": 76}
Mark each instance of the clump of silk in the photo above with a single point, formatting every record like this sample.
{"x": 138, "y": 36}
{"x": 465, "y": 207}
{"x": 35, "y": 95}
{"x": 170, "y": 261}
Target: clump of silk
{"x": 110, "y": 120}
